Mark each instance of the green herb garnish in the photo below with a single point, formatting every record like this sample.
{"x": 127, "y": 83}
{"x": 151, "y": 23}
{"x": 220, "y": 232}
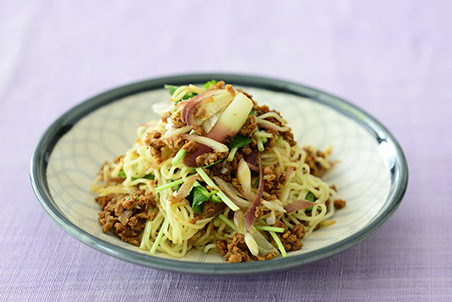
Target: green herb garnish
{"x": 168, "y": 185}
{"x": 209, "y": 83}
{"x": 198, "y": 195}
{"x": 310, "y": 197}
{"x": 149, "y": 176}
{"x": 214, "y": 163}
{"x": 171, "y": 88}
{"x": 239, "y": 141}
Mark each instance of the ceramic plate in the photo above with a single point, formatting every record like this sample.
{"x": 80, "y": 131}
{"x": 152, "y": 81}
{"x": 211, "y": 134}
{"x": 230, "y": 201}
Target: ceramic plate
{"x": 372, "y": 174}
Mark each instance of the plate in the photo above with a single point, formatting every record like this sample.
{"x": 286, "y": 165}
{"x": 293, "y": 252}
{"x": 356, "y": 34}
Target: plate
{"x": 372, "y": 174}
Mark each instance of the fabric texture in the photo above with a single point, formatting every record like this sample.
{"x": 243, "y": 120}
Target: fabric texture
{"x": 393, "y": 59}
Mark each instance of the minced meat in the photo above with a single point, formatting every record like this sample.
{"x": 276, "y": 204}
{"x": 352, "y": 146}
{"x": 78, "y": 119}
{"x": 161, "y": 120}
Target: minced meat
{"x": 235, "y": 250}
{"x": 316, "y": 168}
{"x": 190, "y": 146}
{"x": 273, "y": 180}
{"x": 177, "y": 121}
{"x": 291, "y": 239}
{"x": 210, "y": 158}
{"x": 126, "y": 215}
{"x": 161, "y": 148}
{"x": 249, "y": 127}
{"x": 339, "y": 203}
{"x": 210, "y": 208}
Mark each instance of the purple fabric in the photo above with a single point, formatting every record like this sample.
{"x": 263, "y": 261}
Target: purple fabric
{"x": 391, "y": 58}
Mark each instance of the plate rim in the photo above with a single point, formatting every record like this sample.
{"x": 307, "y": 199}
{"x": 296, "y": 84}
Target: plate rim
{"x": 62, "y": 125}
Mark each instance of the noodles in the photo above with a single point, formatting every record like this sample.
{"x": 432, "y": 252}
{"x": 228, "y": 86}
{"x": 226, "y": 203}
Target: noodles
{"x": 145, "y": 202}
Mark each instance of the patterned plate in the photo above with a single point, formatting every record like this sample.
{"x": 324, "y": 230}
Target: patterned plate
{"x": 372, "y": 174}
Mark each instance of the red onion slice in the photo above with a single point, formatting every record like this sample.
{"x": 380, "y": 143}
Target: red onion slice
{"x": 184, "y": 190}
{"x": 251, "y": 159}
{"x": 189, "y": 107}
{"x": 250, "y": 214}
{"x": 268, "y": 127}
{"x": 176, "y": 131}
{"x": 291, "y": 169}
{"x": 253, "y": 167}
{"x": 209, "y": 104}
{"x": 297, "y": 205}
{"x": 230, "y": 191}
{"x": 239, "y": 221}
{"x": 216, "y": 146}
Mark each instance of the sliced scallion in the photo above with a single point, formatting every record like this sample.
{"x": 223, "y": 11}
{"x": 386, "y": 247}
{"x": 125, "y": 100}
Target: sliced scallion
{"x": 179, "y": 156}
{"x": 169, "y": 185}
{"x": 159, "y": 236}
{"x": 232, "y": 154}
{"x": 269, "y": 228}
{"x": 220, "y": 193}
{"x": 279, "y": 244}
{"x": 227, "y": 221}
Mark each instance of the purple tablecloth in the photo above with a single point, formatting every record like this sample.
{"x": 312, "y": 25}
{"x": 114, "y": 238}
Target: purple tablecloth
{"x": 390, "y": 58}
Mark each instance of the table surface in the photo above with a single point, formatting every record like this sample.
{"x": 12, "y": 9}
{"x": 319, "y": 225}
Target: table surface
{"x": 393, "y": 59}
